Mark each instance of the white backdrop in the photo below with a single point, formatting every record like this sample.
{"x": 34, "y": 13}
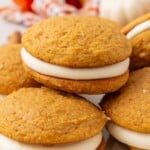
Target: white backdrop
{"x": 6, "y": 28}
{"x": 5, "y": 2}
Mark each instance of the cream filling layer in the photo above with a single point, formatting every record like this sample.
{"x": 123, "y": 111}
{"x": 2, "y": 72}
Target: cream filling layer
{"x": 89, "y": 144}
{"x": 2, "y": 96}
{"x": 138, "y": 29}
{"x": 73, "y": 73}
{"x": 132, "y": 138}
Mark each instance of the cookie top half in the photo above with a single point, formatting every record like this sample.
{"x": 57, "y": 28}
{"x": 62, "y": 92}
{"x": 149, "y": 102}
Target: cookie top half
{"x": 12, "y": 74}
{"x": 135, "y": 22}
{"x": 77, "y": 41}
{"x": 130, "y": 107}
{"x": 46, "y": 116}
{"x": 138, "y": 32}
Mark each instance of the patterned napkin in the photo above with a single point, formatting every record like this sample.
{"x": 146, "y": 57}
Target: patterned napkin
{"x": 28, "y": 12}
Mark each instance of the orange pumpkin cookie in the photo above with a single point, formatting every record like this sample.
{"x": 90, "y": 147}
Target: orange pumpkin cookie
{"x": 138, "y": 31}
{"x": 129, "y": 110}
{"x": 50, "y": 119}
{"x": 78, "y": 54}
{"x": 12, "y": 74}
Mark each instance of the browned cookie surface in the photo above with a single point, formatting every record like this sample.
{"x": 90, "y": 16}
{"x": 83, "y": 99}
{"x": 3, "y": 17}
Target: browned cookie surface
{"x": 134, "y": 23}
{"x": 12, "y": 74}
{"x": 141, "y": 50}
{"x": 141, "y": 43}
{"x": 46, "y": 116}
{"x": 77, "y": 41}
{"x": 98, "y": 86}
{"x": 130, "y": 106}
{"x": 133, "y": 148}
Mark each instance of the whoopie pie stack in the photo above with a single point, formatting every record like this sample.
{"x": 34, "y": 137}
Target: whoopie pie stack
{"x": 73, "y": 55}
{"x": 129, "y": 107}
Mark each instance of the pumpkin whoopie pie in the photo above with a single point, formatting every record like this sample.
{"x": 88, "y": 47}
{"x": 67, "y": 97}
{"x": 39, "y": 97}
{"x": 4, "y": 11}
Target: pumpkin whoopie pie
{"x": 129, "y": 111}
{"x": 46, "y": 119}
{"x": 12, "y": 74}
{"x": 78, "y": 54}
{"x": 138, "y": 32}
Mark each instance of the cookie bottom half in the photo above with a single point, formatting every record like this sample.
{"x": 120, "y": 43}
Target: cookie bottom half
{"x": 98, "y": 86}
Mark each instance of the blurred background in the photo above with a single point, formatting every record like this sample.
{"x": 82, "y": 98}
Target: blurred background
{"x": 19, "y": 14}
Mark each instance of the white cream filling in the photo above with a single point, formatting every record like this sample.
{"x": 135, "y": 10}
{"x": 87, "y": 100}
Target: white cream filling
{"x": 2, "y": 96}
{"x": 89, "y": 144}
{"x": 74, "y": 73}
{"x": 138, "y": 29}
{"x": 132, "y": 138}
